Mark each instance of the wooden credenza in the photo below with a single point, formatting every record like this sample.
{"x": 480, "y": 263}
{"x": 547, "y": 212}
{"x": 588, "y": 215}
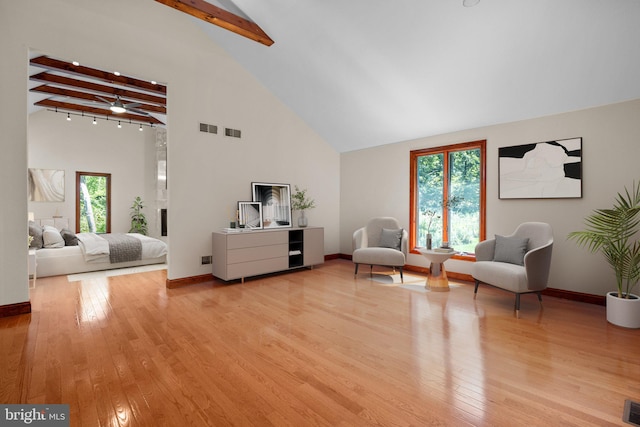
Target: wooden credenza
{"x": 245, "y": 254}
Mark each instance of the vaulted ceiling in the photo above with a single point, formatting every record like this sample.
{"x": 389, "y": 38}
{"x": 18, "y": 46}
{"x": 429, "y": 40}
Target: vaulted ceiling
{"x": 371, "y": 72}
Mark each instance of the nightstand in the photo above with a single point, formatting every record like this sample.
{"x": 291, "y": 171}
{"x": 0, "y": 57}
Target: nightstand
{"x": 32, "y": 268}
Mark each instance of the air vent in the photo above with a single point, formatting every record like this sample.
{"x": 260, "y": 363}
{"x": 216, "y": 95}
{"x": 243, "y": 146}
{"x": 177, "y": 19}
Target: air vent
{"x": 234, "y": 133}
{"x": 206, "y": 259}
{"x": 204, "y": 127}
{"x": 631, "y": 413}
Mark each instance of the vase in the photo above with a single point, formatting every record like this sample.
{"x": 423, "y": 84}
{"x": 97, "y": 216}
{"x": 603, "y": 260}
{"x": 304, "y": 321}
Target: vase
{"x": 623, "y": 312}
{"x": 429, "y": 241}
{"x": 302, "y": 220}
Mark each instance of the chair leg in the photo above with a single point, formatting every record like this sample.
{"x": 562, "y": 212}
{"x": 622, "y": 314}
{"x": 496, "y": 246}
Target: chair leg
{"x": 517, "y": 306}
{"x": 356, "y": 273}
{"x": 371, "y": 270}
{"x": 475, "y": 290}
{"x": 539, "y": 297}
{"x": 401, "y": 278}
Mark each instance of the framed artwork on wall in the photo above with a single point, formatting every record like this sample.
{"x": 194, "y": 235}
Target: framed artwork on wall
{"x": 46, "y": 185}
{"x": 276, "y": 203}
{"x": 250, "y": 215}
{"x": 543, "y": 170}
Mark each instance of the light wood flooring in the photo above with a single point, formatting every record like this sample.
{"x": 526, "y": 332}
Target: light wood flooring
{"x": 314, "y": 348}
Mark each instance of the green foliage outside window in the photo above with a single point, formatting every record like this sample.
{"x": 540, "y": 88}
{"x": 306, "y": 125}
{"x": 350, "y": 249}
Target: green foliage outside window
{"x": 93, "y": 204}
{"x": 460, "y": 207}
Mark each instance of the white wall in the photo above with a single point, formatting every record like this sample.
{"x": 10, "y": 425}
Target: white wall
{"x": 79, "y": 146}
{"x": 207, "y": 174}
{"x": 376, "y": 182}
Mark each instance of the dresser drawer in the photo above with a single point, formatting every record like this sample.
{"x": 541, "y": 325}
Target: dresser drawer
{"x": 256, "y": 253}
{"x": 250, "y": 239}
{"x": 255, "y": 268}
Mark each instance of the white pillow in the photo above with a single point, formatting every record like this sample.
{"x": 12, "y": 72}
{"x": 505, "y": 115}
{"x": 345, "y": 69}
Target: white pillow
{"x": 52, "y": 237}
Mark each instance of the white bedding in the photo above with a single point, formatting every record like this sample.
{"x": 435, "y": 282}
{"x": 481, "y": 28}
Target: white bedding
{"x": 71, "y": 259}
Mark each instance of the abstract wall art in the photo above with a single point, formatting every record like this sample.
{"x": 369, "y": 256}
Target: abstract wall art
{"x": 543, "y": 170}
{"x": 46, "y": 185}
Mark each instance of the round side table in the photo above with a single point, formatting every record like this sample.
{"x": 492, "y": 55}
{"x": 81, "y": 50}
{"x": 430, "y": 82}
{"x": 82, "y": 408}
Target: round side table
{"x": 437, "y": 279}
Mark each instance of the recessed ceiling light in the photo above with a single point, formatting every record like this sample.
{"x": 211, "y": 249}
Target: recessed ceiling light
{"x": 76, "y": 63}
{"x": 153, "y": 82}
{"x": 116, "y": 73}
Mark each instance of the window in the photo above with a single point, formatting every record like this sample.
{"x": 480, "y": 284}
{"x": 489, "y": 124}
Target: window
{"x": 93, "y": 202}
{"x": 448, "y": 196}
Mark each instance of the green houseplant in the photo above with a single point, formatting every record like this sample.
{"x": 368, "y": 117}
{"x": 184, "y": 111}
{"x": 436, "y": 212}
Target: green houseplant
{"x": 615, "y": 233}
{"x": 301, "y": 202}
{"x": 138, "y": 220}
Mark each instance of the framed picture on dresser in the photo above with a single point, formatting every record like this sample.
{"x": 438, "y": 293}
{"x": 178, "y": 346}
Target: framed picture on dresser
{"x": 276, "y": 203}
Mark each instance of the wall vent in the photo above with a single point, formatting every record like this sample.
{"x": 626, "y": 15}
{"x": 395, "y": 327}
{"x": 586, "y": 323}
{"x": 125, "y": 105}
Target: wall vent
{"x": 207, "y": 259}
{"x": 234, "y": 133}
{"x": 204, "y": 127}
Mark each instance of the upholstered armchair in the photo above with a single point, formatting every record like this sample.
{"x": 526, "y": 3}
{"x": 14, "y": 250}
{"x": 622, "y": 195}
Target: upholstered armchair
{"x": 381, "y": 242}
{"x": 517, "y": 263}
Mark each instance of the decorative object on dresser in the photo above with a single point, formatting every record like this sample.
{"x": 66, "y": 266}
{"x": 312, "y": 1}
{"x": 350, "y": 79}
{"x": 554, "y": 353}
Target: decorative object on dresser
{"x": 614, "y": 232}
{"x": 301, "y": 202}
{"x": 240, "y": 255}
{"x": 250, "y": 215}
{"x": 276, "y": 203}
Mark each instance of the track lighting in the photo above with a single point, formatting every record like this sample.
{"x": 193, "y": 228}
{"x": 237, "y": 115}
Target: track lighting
{"x": 94, "y": 119}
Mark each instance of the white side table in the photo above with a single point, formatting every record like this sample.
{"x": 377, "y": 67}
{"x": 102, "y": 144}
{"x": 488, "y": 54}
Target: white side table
{"x": 437, "y": 279}
{"x": 32, "y": 268}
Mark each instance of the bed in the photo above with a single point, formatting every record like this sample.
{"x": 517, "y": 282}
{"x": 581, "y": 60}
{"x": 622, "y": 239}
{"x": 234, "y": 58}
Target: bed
{"x": 59, "y": 251}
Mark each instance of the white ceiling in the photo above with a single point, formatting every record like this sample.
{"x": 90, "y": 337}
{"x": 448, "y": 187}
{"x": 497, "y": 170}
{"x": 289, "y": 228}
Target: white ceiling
{"x": 369, "y": 72}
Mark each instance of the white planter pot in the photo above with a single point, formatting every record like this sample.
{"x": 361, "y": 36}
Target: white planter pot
{"x": 623, "y": 312}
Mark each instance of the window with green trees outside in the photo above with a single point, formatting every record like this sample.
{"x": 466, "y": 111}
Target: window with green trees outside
{"x": 93, "y": 206}
{"x": 448, "y": 196}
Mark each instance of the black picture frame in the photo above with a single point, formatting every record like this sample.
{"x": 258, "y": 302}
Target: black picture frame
{"x": 276, "y": 203}
{"x": 250, "y": 215}
{"x": 542, "y": 170}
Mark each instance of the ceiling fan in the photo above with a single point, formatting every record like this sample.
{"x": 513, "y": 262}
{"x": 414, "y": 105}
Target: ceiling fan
{"x": 120, "y": 107}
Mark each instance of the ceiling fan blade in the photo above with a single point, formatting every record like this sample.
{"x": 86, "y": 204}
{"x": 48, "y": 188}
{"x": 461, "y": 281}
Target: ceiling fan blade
{"x": 105, "y": 100}
{"x": 133, "y": 110}
{"x": 132, "y": 105}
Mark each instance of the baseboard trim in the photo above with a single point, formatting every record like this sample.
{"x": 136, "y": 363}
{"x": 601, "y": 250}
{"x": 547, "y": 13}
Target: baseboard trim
{"x": 186, "y": 281}
{"x": 576, "y": 296}
{"x": 552, "y": 292}
{"x": 15, "y": 309}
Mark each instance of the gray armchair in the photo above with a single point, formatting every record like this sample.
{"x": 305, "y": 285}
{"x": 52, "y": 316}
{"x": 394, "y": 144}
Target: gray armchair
{"x": 381, "y": 242}
{"x": 517, "y": 263}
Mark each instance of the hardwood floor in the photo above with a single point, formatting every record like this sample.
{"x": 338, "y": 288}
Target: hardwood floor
{"x": 314, "y": 348}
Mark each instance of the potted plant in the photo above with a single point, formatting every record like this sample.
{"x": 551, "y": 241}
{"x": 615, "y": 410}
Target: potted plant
{"x": 138, "y": 220}
{"x": 615, "y": 233}
{"x": 301, "y": 202}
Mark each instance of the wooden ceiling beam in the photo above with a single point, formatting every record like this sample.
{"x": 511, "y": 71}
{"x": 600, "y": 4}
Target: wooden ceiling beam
{"x": 96, "y": 87}
{"x": 105, "y": 76}
{"x": 55, "y": 90}
{"x": 93, "y": 111}
{"x": 220, "y": 17}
